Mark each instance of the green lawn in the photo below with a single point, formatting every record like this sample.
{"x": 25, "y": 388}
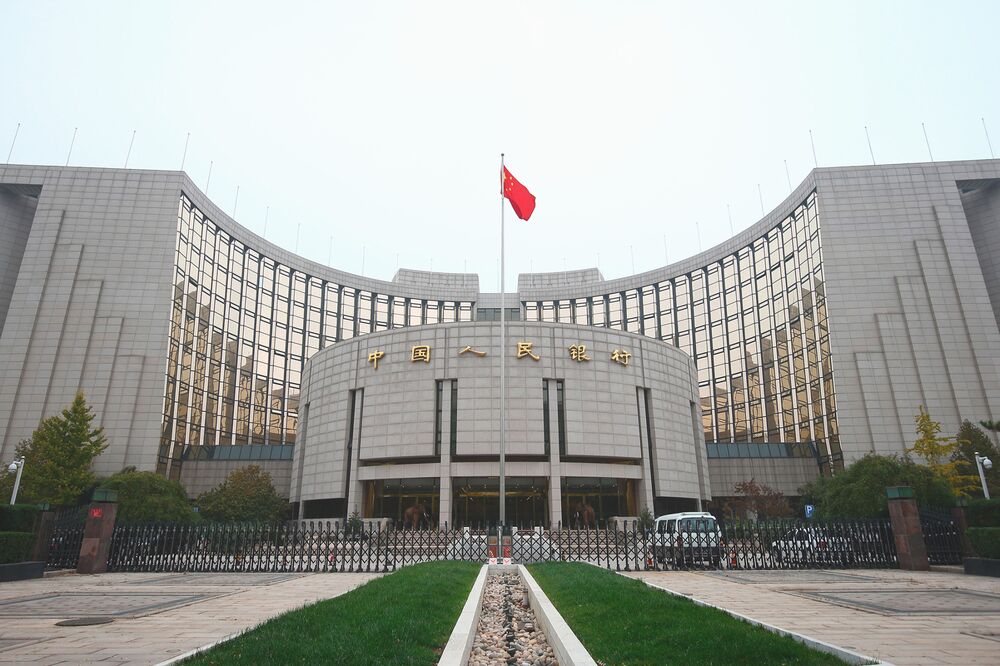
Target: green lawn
{"x": 622, "y": 621}
{"x": 402, "y": 618}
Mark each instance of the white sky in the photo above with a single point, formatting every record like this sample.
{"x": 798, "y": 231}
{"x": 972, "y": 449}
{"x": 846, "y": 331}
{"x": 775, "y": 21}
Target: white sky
{"x": 381, "y": 123}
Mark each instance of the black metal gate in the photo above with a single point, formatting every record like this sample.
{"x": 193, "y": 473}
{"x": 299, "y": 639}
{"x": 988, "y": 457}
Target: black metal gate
{"x": 67, "y": 537}
{"x": 942, "y": 537}
{"x": 625, "y": 546}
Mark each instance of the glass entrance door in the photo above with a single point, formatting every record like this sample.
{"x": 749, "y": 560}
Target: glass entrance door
{"x": 476, "y": 501}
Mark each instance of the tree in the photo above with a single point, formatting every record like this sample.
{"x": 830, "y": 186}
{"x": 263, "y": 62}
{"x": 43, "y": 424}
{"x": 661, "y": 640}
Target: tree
{"x": 759, "y": 500}
{"x": 59, "y": 455}
{"x": 246, "y": 494}
{"x": 970, "y": 441}
{"x": 149, "y": 497}
{"x": 859, "y": 490}
{"x": 938, "y": 452}
{"x": 646, "y": 520}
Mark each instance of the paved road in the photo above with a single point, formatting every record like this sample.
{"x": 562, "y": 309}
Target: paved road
{"x": 156, "y": 616}
{"x": 941, "y": 617}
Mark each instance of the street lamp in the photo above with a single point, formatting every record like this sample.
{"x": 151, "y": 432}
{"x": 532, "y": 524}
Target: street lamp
{"x": 16, "y": 466}
{"x": 982, "y": 462}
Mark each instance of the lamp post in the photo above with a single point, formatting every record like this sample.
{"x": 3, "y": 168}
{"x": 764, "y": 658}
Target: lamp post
{"x": 982, "y": 462}
{"x": 16, "y": 466}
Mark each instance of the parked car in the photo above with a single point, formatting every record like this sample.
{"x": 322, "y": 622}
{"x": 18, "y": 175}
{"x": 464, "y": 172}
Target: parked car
{"x": 686, "y": 538}
{"x": 812, "y": 545}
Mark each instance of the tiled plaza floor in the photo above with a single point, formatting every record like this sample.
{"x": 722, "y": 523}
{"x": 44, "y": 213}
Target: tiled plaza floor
{"x": 901, "y": 617}
{"x": 156, "y": 616}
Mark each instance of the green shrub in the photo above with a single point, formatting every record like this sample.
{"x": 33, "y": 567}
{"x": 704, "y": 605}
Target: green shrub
{"x": 985, "y": 541}
{"x": 983, "y": 513}
{"x": 18, "y": 518}
{"x": 15, "y": 546}
{"x": 858, "y": 491}
{"x": 246, "y": 495}
{"x": 149, "y": 497}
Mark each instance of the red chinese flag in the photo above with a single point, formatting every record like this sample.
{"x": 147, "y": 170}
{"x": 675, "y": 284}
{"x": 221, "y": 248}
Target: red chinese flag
{"x": 521, "y": 200}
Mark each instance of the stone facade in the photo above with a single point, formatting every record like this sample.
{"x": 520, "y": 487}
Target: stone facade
{"x": 89, "y": 296}
{"x": 396, "y": 412}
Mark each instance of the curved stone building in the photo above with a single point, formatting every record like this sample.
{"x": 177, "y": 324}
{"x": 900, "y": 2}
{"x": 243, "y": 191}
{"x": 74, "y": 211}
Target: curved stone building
{"x": 412, "y": 416}
{"x": 816, "y": 334}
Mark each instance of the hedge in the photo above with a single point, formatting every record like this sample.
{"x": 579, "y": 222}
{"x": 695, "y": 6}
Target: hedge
{"x": 18, "y": 518}
{"x": 983, "y": 513}
{"x": 15, "y": 546}
{"x": 985, "y": 541}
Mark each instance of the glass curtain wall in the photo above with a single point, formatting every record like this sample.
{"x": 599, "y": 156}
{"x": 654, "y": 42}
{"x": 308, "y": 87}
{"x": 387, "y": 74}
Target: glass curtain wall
{"x": 242, "y": 327}
{"x": 756, "y": 324}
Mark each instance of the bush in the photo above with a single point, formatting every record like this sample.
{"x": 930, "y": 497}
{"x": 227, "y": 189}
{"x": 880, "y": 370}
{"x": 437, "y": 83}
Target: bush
{"x": 18, "y": 518}
{"x": 354, "y": 524}
{"x": 15, "y": 546}
{"x": 859, "y": 490}
{"x": 246, "y": 495}
{"x": 983, "y": 513}
{"x": 145, "y": 497}
{"x": 985, "y": 541}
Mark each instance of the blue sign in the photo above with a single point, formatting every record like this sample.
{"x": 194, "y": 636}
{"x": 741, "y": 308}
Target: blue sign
{"x": 810, "y": 510}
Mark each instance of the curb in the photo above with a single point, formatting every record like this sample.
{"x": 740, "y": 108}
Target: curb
{"x": 459, "y": 646}
{"x": 848, "y": 656}
{"x": 198, "y": 650}
{"x": 565, "y": 644}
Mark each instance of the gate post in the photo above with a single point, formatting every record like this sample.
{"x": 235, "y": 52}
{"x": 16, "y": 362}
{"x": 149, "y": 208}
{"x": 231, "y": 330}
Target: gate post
{"x": 97, "y": 532}
{"x": 906, "y": 530}
{"x": 43, "y": 536}
{"x": 958, "y": 515}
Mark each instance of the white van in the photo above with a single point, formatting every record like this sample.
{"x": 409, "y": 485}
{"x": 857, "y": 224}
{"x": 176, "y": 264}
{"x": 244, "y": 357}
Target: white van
{"x": 686, "y": 538}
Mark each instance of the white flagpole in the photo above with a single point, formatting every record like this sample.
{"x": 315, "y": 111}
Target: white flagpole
{"x": 503, "y": 359}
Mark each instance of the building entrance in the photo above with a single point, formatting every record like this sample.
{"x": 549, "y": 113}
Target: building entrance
{"x": 604, "y": 497}
{"x": 476, "y": 501}
{"x": 392, "y": 497}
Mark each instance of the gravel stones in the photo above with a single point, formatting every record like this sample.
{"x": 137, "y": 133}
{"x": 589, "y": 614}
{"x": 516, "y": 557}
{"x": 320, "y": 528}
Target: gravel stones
{"x": 508, "y": 633}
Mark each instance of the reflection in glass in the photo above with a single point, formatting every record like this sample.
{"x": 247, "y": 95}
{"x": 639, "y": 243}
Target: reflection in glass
{"x": 755, "y": 324}
{"x": 242, "y": 327}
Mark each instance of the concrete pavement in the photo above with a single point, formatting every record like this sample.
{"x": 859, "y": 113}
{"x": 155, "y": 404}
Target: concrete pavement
{"x": 940, "y": 617}
{"x": 155, "y": 616}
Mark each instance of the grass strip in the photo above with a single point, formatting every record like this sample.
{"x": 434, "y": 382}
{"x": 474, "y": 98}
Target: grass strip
{"x": 403, "y": 618}
{"x": 622, "y": 621}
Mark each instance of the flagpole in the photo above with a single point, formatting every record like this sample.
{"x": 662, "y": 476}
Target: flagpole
{"x": 503, "y": 360}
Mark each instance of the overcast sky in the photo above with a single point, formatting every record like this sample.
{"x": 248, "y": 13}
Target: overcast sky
{"x": 381, "y": 123}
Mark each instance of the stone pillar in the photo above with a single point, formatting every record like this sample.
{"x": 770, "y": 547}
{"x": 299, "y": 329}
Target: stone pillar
{"x": 958, "y": 515}
{"x": 97, "y": 532}
{"x": 906, "y": 529}
{"x": 444, "y": 472}
{"x": 43, "y": 536}
{"x": 645, "y": 491}
{"x": 555, "y": 473}
{"x": 354, "y": 487}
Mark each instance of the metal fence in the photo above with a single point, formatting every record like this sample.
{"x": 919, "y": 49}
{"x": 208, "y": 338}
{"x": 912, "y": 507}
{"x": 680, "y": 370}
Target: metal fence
{"x": 332, "y": 547}
{"x": 812, "y": 544}
{"x": 290, "y": 547}
{"x": 67, "y": 537}
{"x": 943, "y": 540}
{"x": 735, "y": 545}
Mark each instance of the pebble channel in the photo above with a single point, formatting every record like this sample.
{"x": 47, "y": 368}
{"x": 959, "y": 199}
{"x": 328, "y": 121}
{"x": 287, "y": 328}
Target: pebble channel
{"x": 508, "y": 633}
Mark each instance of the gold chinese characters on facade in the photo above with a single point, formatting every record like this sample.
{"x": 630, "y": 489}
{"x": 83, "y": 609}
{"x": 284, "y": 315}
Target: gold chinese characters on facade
{"x": 468, "y": 349}
{"x": 420, "y": 353}
{"x": 524, "y": 349}
{"x": 621, "y": 356}
{"x": 577, "y": 352}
